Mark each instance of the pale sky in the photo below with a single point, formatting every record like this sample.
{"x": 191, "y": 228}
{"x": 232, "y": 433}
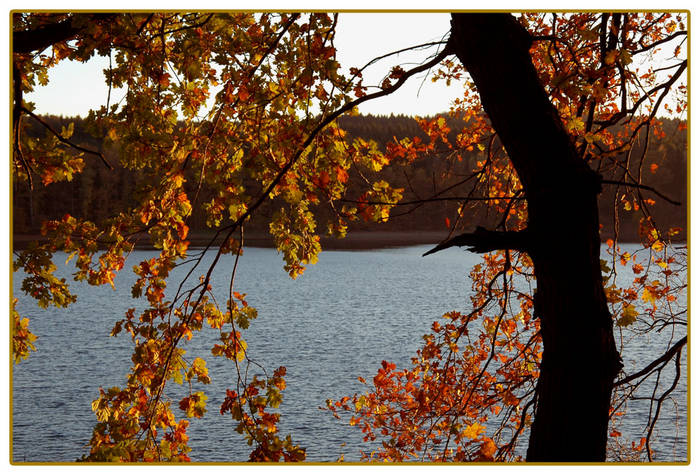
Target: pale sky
{"x": 74, "y": 88}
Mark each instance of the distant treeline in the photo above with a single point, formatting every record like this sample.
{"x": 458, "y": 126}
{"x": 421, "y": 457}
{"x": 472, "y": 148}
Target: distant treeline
{"x": 98, "y": 193}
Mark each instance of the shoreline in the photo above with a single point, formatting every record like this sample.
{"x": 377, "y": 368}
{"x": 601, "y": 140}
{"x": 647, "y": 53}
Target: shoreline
{"x": 358, "y": 240}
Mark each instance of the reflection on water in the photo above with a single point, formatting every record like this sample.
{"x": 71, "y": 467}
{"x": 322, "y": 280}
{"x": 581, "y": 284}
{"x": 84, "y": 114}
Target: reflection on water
{"x": 337, "y": 322}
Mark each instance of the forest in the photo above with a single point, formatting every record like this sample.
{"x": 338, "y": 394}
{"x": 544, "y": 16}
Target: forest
{"x": 99, "y": 193}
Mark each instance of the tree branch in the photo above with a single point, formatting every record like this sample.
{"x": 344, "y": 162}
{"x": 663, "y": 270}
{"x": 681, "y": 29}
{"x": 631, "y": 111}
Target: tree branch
{"x": 660, "y": 42}
{"x": 164, "y": 33}
{"x": 431, "y": 200}
{"x": 676, "y": 348}
{"x": 483, "y": 240}
{"x": 410, "y": 48}
{"x": 283, "y": 171}
{"x": 63, "y": 140}
{"x": 666, "y": 86}
{"x": 27, "y": 41}
{"x": 17, "y": 122}
{"x": 643, "y": 187}
{"x": 324, "y": 123}
{"x": 659, "y": 402}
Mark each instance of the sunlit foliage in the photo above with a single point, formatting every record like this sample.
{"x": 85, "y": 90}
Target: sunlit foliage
{"x": 230, "y": 112}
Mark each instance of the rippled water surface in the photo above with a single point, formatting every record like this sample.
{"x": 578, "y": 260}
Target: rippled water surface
{"x": 337, "y": 322}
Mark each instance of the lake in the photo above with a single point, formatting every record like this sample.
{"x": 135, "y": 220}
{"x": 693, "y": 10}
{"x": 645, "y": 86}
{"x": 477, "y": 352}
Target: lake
{"x": 337, "y": 322}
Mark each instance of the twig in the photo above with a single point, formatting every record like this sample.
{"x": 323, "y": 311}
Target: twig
{"x": 660, "y": 401}
{"x": 643, "y": 187}
{"x": 676, "y": 348}
{"x": 429, "y": 200}
{"x": 661, "y": 41}
{"x": 63, "y": 140}
{"x": 631, "y": 111}
{"x": 17, "y": 122}
{"x": 378, "y": 58}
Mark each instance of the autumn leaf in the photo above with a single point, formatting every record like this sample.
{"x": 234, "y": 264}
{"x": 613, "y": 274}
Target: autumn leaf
{"x": 628, "y": 316}
{"x": 232, "y": 122}
{"x": 164, "y": 80}
{"x": 342, "y": 175}
{"x": 488, "y": 448}
{"x": 243, "y": 93}
{"x": 473, "y": 431}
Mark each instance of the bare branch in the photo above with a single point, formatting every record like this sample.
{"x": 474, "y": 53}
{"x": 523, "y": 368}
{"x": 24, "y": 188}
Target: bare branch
{"x": 162, "y": 34}
{"x": 660, "y": 401}
{"x": 643, "y": 187}
{"x": 483, "y": 240}
{"x": 144, "y": 23}
{"x": 666, "y": 86}
{"x": 410, "y": 48}
{"x": 19, "y": 154}
{"x": 660, "y": 42}
{"x": 27, "y": 41}
{"x": 430, "y": 200}
{"x": 676, "y": 348}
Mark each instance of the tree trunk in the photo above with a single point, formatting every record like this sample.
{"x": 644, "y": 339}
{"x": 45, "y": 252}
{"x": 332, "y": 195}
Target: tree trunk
{"x": 579, "y": 361}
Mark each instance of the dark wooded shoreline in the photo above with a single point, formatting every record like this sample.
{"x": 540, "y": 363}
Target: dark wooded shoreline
{"x": 359, "y": 240}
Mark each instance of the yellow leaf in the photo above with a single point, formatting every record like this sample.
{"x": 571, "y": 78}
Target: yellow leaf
{"x": 648, "y": 296}
{"x": 177, "y": 180}
{"x": 473, "y": 431}
{"x": 628, "y": 316}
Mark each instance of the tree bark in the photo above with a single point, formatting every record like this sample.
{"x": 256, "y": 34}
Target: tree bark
{"x": 36, "y": 40}
{"x": 580, "y": 360}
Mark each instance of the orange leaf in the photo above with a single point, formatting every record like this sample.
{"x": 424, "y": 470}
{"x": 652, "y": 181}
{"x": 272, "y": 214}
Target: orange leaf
{"x": 243, "y": 93}
{"x": 342, "y": 174}
{"x": 164, "y": 80}
{"x": 182, "y": 230}
{"x": 324, "y": 178}
{"x": 488, "y": 448}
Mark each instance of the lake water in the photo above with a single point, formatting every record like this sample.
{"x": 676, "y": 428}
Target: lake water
{"x": 337, "y": 322}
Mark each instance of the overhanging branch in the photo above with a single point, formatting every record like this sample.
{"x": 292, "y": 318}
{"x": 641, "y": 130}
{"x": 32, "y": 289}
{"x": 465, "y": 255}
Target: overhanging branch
{"x": 432, "y": 200}
{"x": 64, "y": 140}
{"x": 643, "y": 187}
{"x": 324, "y": 123}
{"x": 38, "y": 39}
{"x": 483, "y": 240}
{"x": 650, "y": 367}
